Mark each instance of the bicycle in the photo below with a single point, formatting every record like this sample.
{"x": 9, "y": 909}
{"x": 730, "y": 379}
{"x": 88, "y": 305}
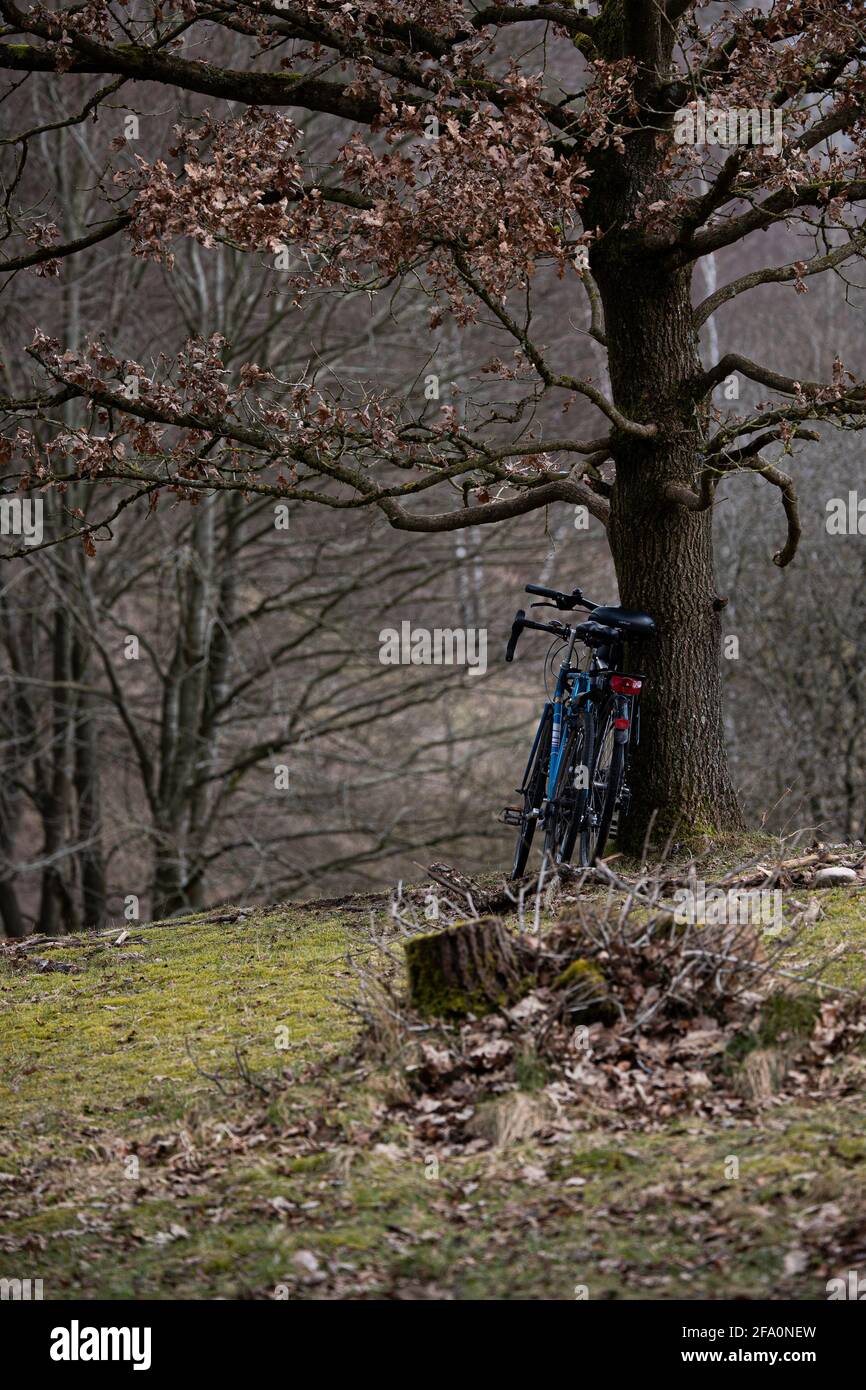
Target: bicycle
{"x": 575, "y": 778}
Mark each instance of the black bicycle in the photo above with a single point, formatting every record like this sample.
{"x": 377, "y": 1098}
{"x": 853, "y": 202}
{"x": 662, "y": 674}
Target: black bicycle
{"x": 575, "y": 779}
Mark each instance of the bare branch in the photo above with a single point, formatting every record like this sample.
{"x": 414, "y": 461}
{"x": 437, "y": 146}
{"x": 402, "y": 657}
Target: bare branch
{"x": 68, "y": 248}
{"x": 788, "y": 386}
{"x": 782, "y": 274}
{"x": 748, "y": 460}
{"x": 568, "y": 490}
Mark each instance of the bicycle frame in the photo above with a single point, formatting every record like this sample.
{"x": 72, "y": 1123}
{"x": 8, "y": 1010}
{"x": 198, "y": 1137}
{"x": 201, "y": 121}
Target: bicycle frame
{"x": 572, "y": 686}
{"x": 571, "y": 785}
{"x": 574, "y": 690}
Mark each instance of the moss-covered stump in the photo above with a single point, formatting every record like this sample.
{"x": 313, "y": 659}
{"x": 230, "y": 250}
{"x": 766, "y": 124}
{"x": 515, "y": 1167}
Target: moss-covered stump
{"x": 470, "y": 968}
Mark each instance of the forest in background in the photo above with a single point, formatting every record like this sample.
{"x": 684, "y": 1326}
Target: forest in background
{"x": 196, "y": 712}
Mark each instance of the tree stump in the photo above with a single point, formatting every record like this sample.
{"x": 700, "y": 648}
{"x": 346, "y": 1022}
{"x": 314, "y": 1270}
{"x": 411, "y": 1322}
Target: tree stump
{"x": 471, "y": 967}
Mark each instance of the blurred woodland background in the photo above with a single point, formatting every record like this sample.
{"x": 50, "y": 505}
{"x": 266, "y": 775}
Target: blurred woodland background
{"x": 151, "y": 692}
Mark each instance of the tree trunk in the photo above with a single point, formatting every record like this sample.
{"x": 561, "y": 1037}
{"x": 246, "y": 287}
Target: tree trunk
{"x": 57, "y": 913}
{"x": 679, "y": 771}
{"x": 10, "y": 909}
{"x": 167, "y": 888}
{"x": 87, "y": 790}
{"x": 662, "y": 551}
{"x": 178, "y": 873}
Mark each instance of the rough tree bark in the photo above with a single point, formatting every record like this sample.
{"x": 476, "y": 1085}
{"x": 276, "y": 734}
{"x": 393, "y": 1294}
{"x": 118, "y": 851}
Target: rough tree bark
{"x": 177, "y": 875}
{"x": 10, "y": 908}
{"x": 663, "y": 552}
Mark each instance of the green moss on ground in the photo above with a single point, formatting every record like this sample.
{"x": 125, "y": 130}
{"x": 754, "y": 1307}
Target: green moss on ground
{"x": 586, "y": 979}
{"x": 787, "y": 1016}
{"x": 145, "y": 1019}
{"x": 134, "y": 1175}
{"x": 839, "y": 932}
{"x": 715, "y": 853}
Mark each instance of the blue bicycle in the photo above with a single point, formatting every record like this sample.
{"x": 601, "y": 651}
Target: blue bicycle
{"x": 575, "y": 778}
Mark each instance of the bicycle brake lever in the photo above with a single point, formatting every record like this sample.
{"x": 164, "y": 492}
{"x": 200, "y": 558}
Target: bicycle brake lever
{"x": 543, "y": 605}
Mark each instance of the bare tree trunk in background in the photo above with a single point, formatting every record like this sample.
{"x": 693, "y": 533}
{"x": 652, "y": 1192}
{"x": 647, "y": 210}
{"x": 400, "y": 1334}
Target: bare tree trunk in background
{"x": 180, "y": 746}
{"x": 10, "y": 910}
{"x": 56, "y": 908}
{"x": 91, "y": 866}
{"x": 218, "y": 637}
{"x": 22, "y": 749}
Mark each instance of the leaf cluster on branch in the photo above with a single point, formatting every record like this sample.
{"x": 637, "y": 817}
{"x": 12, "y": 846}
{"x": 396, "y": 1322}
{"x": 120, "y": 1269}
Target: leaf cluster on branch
{"x": 474, "y": 153}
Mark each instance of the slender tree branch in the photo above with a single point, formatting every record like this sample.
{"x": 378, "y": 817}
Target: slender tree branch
{"x": 536, "y": 358}
{"x": 775, "y": 208}
{"x": 779, "y": 275}
{"x": 568, "y": 490}
{"x": 748, "y": 459}
{"x": 788, "y": 386}
{"x": 67, "y": 248}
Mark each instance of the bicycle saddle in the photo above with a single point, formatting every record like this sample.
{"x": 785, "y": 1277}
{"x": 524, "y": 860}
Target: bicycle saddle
{"x": 626, "y": 619}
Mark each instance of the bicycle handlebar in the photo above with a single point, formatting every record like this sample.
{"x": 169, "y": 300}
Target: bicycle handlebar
{"x": 563, "y": 601}
{"x": 521, "y": 621}
{"x": 516, "y": 629}
{"x": 590, "y": 632}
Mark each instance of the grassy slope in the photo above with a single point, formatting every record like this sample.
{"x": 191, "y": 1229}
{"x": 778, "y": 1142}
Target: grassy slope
{"x": 126, "y": 1172}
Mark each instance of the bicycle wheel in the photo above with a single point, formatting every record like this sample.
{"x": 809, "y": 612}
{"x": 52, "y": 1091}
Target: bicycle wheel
{"x": 535, "y": 784}
{"x": 566, "y": 810}
{"x": 605, "y": 784}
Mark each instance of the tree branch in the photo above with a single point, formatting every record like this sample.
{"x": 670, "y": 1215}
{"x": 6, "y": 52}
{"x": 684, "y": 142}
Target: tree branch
{"x": 535, "y": 357}
{"x": 567, "y": 490}
{"x": 779, "y": 275}
{"x": 773, "y": 209}
{"x": 252, "y": 88}
{"x": 742, "y": 461}
{"x": 67, "y": 248}
{"x": 788, "y": 386}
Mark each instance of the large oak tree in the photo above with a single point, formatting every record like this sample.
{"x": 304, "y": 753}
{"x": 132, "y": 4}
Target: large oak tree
{"x": 477, "y": 152}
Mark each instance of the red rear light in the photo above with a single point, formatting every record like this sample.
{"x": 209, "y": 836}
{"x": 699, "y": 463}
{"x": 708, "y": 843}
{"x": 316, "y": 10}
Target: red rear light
{"x": 620, "y": 723}
{"x": 625, "y": 685}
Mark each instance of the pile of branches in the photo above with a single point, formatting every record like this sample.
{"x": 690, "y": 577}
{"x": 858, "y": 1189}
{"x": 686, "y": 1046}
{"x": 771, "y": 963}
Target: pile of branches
{"x": 810, "y": 869}
{"x": 629, "y": 1015}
